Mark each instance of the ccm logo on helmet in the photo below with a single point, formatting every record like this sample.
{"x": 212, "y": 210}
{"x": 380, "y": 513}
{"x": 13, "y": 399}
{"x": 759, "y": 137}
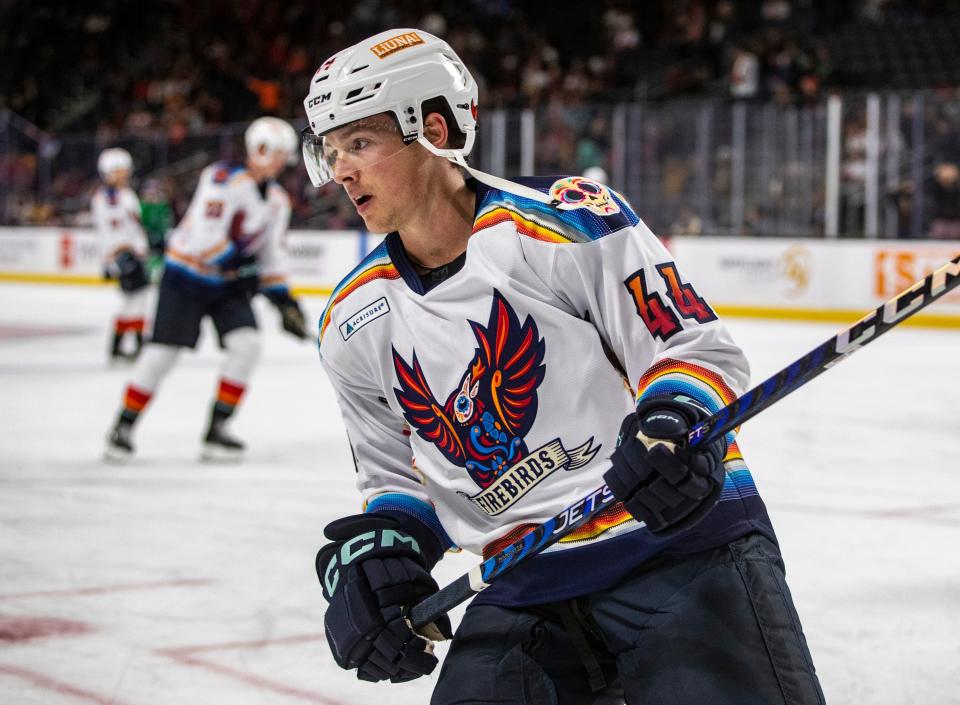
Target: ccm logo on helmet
{"x": 318, "y": 100}
{"x": 395, "y": 44}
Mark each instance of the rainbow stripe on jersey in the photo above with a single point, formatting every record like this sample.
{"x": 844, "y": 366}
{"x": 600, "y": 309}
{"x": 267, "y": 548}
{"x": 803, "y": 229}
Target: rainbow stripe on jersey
{"x": 707, "y": 388}
{"x": 376, "y": 265}
{"x": 547, "y": 223}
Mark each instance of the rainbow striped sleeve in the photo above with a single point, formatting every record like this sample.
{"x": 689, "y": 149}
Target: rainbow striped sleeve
{"x": 414, "y": 507}
{"x": 671, "y": 377}
{"x": 376, "y": 265}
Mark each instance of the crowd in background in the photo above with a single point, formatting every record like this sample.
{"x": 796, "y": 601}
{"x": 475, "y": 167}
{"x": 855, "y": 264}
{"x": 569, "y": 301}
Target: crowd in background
{"x": 169, "y": 70}
{"x": 180, "y": 65}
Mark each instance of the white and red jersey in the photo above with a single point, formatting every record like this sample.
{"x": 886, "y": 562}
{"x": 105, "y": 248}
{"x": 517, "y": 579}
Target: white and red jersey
{"x": 116, "y": 216}
{"x": 232, "y": 216}
{"x": 488, "y": 403}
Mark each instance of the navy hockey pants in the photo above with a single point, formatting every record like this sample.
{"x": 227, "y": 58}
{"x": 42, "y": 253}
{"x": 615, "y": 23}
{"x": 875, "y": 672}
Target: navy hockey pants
{"x": 711, "y": 628}
{"x": 183, "y": 302}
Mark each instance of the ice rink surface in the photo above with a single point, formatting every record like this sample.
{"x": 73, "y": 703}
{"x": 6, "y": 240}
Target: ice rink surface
{"x": 173, "y": 582}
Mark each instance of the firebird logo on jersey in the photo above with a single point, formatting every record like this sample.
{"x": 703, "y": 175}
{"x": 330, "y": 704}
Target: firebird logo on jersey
{"x": 580, "y": 192}
{"x": 482, "y": 425}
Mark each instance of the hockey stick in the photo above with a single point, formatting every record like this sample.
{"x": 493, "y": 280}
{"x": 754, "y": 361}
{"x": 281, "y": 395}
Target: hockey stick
{"x": 790, "y": 378}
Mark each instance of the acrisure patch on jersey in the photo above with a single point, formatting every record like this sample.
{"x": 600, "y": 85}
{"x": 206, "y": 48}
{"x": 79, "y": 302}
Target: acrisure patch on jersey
{"x": 378, "y": 308}
{"x": 580, "y": 192}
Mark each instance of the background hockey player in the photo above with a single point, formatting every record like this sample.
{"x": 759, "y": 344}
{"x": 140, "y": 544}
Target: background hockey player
{"x": 227, "y": 247}
{"x": 157, "y": 217}
{"x": 116, "y": 216}
{"x": 495, "y": 358}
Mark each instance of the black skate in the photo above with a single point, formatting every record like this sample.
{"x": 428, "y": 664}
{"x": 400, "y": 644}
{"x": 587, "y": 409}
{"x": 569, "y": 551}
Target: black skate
{"x": 220, "y": 445}
{"x": 124, "y": 359}
{"x": 137, "y": 346}
{"x": 119, "y": 447}
{"x": 120, "y": 357}
{"x": 116, "y": 350}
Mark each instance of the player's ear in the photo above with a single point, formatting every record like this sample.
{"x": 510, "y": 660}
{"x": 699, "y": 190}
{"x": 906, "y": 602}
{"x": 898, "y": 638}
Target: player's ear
{"x": 435, "y": 130}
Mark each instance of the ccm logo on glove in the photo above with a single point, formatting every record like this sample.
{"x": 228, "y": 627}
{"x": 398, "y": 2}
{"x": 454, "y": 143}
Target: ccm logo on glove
{"x": 359, "y": 545}
{"x": 371, "y": 573}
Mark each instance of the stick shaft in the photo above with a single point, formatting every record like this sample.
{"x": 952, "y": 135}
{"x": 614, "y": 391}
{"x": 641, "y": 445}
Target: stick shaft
{"x": 772, "y": 390}
{"x": 830, "y": 353}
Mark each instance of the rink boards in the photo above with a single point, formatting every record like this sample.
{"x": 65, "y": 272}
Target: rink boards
{"x": 818, "y": 280}
{"x": 826, "y": 280}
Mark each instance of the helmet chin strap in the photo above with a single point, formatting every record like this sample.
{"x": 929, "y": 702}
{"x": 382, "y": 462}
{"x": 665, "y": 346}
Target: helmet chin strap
{"x": 456, "y": 156}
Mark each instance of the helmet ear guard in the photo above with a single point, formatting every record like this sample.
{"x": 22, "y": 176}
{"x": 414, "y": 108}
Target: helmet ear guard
{"x": 410, "y": 119}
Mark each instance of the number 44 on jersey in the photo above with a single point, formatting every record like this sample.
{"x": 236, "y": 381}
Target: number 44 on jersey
{"x": 660, "y": 316}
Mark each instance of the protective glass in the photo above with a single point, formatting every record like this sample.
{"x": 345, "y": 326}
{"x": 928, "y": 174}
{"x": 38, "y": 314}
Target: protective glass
{"x": 325, "y": 156}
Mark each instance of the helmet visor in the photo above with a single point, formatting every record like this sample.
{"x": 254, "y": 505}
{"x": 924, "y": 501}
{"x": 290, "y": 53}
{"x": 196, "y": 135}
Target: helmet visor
{"x": 318, "y": 169}
{"x": 349, "y": 149}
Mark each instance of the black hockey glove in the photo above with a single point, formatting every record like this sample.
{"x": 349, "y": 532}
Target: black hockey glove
{"x": 292, "y": 319}
{"x": 291, "y": 315}
{"x": 246, "y": 278}
{"x": 131, "y": 273}
{"x": 668, "y": 489}
{"x": 370, "y": 573}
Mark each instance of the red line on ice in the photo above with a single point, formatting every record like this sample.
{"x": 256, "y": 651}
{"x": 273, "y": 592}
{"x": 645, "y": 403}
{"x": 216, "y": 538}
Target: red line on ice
{"x": 106, "y": 589}
{"x": 16, "y": 332}
{"x": 184, "y": 655}
{"x": 53, "y": 684}
{"x": 17, "y": 629}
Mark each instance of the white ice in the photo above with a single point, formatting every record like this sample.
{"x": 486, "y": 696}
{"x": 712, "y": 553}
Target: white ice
{"x": 172, "y": 582}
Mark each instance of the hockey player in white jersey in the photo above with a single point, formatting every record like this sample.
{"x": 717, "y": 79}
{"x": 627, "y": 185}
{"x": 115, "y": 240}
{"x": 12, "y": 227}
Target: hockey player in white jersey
{"x": 227, "y": 247}
{"x": 123, "y": 242}
{"x": 496, "y": 358}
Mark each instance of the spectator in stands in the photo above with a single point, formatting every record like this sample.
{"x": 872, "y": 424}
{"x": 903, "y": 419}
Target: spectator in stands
{"x": 744, "y": 74}
{"x": 687, "y": 223}
{"x": 593, "y": 144}
{"x": 945, "y": 202}
{"x": 901, "y": 197}
{"x": 853, "y": 169}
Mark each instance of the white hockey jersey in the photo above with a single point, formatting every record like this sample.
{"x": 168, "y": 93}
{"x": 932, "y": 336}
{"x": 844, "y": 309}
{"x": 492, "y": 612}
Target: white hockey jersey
{"x": 231, "y": 217}
{"x": 490, "y": 402}
{"x": 116, "y": 216}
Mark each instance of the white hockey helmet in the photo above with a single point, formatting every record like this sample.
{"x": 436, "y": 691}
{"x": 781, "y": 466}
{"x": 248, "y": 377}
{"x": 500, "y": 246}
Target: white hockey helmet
{"x": 273, "y": 134}
{"x": 596, "y": 173}
{"x": 114, "y": 159}
{"x": 391, "y": 72}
